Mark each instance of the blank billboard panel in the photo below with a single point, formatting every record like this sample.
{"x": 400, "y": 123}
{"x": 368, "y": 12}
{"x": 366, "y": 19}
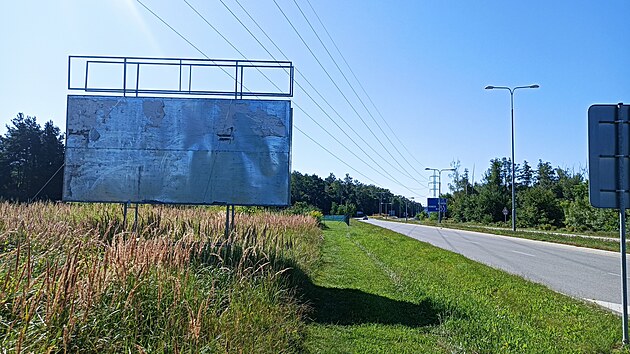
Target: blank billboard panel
{"x": 177, "y": 150}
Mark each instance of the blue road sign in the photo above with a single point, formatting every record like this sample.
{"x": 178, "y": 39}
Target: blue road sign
{"x": 436, "y": 204}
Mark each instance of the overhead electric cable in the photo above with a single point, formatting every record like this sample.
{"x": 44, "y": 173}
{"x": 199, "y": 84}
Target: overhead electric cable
{"x": 274, "y": 84}
{"x": 189, "y": 42}
{"x": 304, "y": 90}
{"x": 341, "y": 92}
{"x": 332, "y": 154}
{"x": 361, "y": 86}
{"x": 345, "y": 163}
{"x": 311, "y": 85}
{"x": 355, "y": 92}
{"x": 337, "y": 86}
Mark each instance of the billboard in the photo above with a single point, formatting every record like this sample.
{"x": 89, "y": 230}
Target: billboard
{"x": 177, "y": 150}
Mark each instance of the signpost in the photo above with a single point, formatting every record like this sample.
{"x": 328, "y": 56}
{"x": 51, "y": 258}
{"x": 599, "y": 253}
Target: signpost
{"x": 609, "y": 178}
{"x": 505, "y": 214}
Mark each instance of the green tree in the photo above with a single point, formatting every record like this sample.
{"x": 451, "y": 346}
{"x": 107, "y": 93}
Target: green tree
{"x": 539, "y": 206}
{"x": 29, "y": 157}
{"x": 545, "y": 175}
{"x": 526, "y": 175}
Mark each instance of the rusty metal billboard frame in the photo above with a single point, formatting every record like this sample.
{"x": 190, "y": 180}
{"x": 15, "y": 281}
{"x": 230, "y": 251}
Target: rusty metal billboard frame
{"x": 172, "y": 150}
{"x": 81, "y": 67}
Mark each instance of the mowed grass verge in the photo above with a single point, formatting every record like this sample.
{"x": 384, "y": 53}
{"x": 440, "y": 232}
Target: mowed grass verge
{"x": 377, "y": 291}
{"x": 607, "y": 242}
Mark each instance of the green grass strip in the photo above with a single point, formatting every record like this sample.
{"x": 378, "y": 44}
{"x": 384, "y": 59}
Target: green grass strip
{"x": 377, "y": 291}
{"x": 603, "y": 242}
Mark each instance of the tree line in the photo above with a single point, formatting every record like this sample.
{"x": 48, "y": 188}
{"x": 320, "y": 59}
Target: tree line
{"x": 332, "y": 195}
{"x": 32, "y": 156}
{"x": 31, "y": 168}
{"x": 546, "y": 198}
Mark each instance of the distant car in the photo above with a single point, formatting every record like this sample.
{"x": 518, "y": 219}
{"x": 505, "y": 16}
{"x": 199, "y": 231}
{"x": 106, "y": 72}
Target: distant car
{"x": 365, "y": 217}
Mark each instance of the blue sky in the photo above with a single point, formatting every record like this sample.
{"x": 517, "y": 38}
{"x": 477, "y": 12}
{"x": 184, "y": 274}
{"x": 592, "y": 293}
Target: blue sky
{"x": 423, "y": 63}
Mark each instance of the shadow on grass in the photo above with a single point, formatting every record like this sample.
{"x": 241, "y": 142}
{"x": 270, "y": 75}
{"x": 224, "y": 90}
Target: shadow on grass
{"x": 353, "y": 307}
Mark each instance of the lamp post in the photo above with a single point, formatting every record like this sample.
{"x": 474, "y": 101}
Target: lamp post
{"x": 439, "y": 171}
{"x": 513, "y": 164}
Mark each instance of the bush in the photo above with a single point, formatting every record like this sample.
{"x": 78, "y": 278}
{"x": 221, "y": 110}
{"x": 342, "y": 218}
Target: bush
{"x": 317, "y": 215}
{"x": 422, "y": 215}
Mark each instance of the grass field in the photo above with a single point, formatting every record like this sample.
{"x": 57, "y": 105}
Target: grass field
{"x": 73, "y": 279}
{"x": 380, "y": 292}
{"x": 607, "y": 243}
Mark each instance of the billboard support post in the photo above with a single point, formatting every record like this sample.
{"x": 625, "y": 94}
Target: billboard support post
{"x": 135, "y": 220}
{"x": 227, "y": 221}
{"x": 124, "y": 215}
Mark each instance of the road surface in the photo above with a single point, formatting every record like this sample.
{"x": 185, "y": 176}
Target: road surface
{"x": 589, "y": 274}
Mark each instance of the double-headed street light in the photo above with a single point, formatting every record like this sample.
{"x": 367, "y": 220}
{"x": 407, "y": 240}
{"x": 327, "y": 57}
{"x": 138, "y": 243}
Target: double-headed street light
{"x": 439, "y": 171}
{"x": 512, "y": 110}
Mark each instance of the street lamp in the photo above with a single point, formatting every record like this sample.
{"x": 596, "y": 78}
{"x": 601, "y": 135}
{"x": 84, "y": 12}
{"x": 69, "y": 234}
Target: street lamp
{"x": 386, "y": 209}
{"x": 513, "y": 165}
{"x": 439, "y": 171}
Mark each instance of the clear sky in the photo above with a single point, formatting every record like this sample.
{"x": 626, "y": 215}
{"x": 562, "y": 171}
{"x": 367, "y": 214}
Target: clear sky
{"x": 424, "y": 64}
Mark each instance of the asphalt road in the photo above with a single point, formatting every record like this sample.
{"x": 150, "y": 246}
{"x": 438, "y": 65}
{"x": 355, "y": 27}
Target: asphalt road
{"x": 584, "y": 273}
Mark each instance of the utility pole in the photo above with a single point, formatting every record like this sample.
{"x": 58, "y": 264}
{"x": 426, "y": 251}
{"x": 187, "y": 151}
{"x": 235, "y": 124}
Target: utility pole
{"x": 392, "y": 208}
{"x": 380, "y": 204}
{"x": 439, "y": 173}
{"x": 433, "y": 181}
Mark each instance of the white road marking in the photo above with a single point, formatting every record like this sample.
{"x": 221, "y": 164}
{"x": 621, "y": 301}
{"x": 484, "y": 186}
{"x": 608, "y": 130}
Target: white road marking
{"x": 525, "y": 254}
{"x": 615, "y": 274}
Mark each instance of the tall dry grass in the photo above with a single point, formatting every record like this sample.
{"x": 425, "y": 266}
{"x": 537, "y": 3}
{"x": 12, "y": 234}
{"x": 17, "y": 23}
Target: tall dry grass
{"x": 73, "y": 278}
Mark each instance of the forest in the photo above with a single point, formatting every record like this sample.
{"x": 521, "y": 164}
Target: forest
{"x": 547, "y": 197}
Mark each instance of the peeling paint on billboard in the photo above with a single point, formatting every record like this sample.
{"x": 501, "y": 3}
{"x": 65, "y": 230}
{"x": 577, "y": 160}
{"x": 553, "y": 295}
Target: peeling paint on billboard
{"x": 177, "y": 150}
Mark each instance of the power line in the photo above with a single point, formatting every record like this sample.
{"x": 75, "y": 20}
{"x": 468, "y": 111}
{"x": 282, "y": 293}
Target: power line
{"x": 338, "y": 88}
{"x": 243, "y": 55}
{"x": 188, "y": 41}
{"x": 363, "y": 88}
{"x": 391, "y": 178}
{"x": 354, "y": 91}
{"x": 332, "y": 154}
{"x": 352, "y": 87}
{"x": 311, "y": 85}
{"x": 305, "y": 91}
{"x": 200, "y": 51}
{"x": 345, "y": 163}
